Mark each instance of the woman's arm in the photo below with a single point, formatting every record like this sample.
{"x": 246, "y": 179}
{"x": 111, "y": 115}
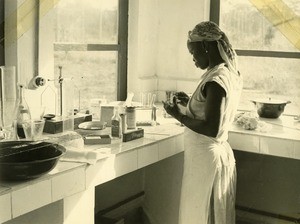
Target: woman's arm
{"x": 214, "y": 111}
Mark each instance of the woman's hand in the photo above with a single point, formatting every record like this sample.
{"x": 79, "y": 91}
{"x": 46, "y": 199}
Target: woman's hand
{"x": 182, "y": 98}
{"x": 172, "y": 109}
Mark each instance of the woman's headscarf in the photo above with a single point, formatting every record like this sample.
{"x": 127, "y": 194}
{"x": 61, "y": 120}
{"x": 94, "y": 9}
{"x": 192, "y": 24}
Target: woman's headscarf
{"x": 210, "y": 31}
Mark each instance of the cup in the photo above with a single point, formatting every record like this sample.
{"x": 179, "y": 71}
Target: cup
{"x": 8, "y": 133}
{"x": 169, "y": 96}
{"x": 33, "y": 129}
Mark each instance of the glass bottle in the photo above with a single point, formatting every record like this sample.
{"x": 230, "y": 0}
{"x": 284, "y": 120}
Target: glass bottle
{"x": 116, "y": 124}
{"x": 22, "y": 113}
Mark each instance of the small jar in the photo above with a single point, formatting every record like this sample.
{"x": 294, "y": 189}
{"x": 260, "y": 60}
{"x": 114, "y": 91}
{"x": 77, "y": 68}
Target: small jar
{"x": 131, "y": 117}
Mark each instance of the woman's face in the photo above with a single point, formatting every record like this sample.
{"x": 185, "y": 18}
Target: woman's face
{"x": 200, "y": 56}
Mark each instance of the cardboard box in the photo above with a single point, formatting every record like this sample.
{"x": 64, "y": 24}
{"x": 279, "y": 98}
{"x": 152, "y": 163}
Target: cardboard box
{"x": 132, "y": 135}
{"x": 96, "y": 139}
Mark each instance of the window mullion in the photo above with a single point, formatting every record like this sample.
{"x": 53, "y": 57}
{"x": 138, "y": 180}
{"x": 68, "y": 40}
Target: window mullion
{"x": 214, "y": 14}
{"x": 274, "y": 54}
{"x": 86, "y": 47}
{"x": 123, "y": 42}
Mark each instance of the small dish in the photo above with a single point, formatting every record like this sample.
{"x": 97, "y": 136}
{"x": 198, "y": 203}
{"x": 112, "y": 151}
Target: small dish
{"x": 49, "y": 116}
{"x": 93, "y": 125}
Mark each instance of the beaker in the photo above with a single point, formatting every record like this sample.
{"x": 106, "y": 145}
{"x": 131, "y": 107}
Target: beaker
{"x": 8, "y": 96}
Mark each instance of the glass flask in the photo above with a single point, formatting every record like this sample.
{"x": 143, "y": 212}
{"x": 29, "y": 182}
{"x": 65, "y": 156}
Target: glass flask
{"x": 22, "y": 113}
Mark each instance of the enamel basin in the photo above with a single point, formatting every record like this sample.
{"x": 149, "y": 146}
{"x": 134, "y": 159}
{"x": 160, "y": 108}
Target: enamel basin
{"x": 23, "y": 160}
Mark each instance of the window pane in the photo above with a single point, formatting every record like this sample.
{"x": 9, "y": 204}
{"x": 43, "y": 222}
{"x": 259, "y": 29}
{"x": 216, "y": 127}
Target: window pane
{"x": 248, "y": 29}
{"x": 88, "y": 21}
{"x": 93, "y": 72}
{"x": 293, "y": 5}
{"x": 277, "y": 78}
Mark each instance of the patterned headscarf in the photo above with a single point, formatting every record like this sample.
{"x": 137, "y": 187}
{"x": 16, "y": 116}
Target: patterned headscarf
{"x": 210, "y": 31}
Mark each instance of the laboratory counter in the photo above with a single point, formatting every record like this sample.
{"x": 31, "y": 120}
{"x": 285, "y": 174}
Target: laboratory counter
{"x": 74, "y": 182}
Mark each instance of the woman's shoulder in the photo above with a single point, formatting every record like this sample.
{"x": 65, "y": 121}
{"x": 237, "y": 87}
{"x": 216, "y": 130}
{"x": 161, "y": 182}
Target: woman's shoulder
{"x": 222, "y": 75}
{"x": 221, "y": 69}
{"x": 218, "y": 71}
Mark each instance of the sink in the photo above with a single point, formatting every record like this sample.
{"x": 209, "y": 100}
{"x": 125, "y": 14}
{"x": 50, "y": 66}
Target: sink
{"x": 24, "y": 160}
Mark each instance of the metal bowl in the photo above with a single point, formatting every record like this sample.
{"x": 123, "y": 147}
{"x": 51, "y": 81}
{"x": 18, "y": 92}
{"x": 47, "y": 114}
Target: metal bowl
{"x": 269, "y": 108}
{"x": 23, "y": 160}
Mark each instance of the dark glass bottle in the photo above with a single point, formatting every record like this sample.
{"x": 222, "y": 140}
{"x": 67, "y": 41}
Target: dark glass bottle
{"x": 116, "y": 124}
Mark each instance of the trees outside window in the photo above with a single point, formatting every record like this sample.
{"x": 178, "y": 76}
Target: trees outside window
{"x": 264, "y": 38}
{"x": 91, "y": 46}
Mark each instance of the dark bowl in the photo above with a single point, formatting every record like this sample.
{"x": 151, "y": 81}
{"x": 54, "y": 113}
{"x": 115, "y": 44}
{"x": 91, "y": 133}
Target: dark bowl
{"x": 24, "y": 160}
{"x": 270, "y": 108}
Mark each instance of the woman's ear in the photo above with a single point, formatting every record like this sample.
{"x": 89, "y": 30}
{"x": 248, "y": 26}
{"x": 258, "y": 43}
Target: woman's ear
{"x": 205, "y": 46}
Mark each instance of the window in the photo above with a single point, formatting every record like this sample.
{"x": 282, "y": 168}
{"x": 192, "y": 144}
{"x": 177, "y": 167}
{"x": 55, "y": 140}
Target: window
{"x": 265, "y": 40}
{"x": 91, "y": 46}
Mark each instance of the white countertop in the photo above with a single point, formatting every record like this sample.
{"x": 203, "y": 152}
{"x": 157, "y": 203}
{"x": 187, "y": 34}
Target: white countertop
{"x": 283, "y": 138}
{"x": 120, "y": 158}
{"x": 117, "y": 159}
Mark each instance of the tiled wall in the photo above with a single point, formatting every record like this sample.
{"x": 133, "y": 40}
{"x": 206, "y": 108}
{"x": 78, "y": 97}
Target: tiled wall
{"x": 159, "y": 86}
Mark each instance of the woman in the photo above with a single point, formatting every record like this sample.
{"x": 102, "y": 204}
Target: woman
{"x": 209, "y": 179}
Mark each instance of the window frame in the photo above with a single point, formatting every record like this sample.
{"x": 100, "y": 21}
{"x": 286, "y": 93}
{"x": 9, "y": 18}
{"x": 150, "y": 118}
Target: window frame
{"x": 214, "y": 15}
{"x": 2, "y": 37}
{"x": 121, "y": 47}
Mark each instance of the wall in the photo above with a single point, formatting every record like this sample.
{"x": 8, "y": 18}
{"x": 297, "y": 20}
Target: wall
{"x": 140, "y": 44}
{"x": 20, "y": 37}
{"x": 158, "y": 58}
{"x": 21, "y": 43}
{"x": 119, "y": 189}
{"x": 44, "y": 215}
{"x": 162, "y": 188}
{"x": 46, "y": 35}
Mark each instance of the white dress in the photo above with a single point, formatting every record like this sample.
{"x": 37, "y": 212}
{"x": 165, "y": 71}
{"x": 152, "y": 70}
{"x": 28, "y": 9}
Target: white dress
{"x": 209, "y": 178}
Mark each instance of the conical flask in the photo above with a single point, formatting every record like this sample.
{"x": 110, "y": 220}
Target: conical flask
{"x": 22, "y": 113}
